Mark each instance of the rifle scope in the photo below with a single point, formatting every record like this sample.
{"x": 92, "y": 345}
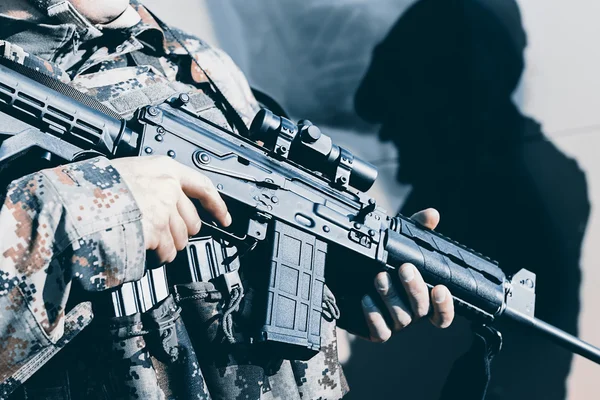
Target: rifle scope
{"x": 306, "y": 145}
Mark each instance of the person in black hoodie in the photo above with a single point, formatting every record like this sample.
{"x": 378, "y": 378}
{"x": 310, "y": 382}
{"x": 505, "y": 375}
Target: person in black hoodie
{"x": 441, "y": 84}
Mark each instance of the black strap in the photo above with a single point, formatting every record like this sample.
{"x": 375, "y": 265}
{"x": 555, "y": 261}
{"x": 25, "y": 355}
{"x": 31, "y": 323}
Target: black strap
{"x": 470, "y": 374}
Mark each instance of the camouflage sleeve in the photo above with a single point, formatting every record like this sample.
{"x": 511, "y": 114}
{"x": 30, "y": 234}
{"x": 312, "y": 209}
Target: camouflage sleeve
{"x": 76, "y": 223}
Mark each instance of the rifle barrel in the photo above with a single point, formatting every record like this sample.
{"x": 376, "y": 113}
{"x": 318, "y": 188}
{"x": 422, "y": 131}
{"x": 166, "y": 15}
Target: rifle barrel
{"x": 557, "y": 335}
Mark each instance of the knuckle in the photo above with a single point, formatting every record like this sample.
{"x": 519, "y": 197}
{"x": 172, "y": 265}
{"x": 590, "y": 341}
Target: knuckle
{"x": 161, "y": 255}
{"x": 442, "y": 320}
{"x": 417, "y": 289}
{"x": 173, "y": 184}
{"x": 377, "y": 339}
{"x": 420, "y": 305}
{"x": 216, "y": 198}
{"x": 421, "y": 310}
{"x": 445, "y": 318}
{"x": 447, "y": 321}
{"x": 207, "y": 183}
{"x": 369, "y": 308}
{"x": 382, "y": 286}
{"x": 151, "y": 240}
{"x": 197, "y": 227}
{"x": 402, "y": 322}
{"x": 171, "y": 255}
{"x": 162, "y": 222}
{"x": 435, "y": 321}
{"x": 445, "y": 324}
{"x": 203, "y": 182}
{"x": 385, "y": 336}
{"x": 390, "y": 297}
{"x": 180, "y": 245}
{"x": 379, "y": 331}
{"x": 381, "y": 336}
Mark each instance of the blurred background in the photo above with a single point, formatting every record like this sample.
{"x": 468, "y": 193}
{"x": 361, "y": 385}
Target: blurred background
{"x": 488, "y": 110}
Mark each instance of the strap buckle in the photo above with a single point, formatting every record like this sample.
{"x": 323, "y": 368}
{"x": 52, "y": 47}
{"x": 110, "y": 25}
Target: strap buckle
{"x": 232, "y": 280}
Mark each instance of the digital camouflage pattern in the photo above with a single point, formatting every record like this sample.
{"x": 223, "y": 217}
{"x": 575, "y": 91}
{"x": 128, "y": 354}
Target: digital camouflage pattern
{"x": 77, "y": 319}
{"x": 180, "y": 375}
{"x": 242, "y": 371}
{"x": 175, "y": 350}
{"x": 75, "y": 223}
{"x": 130, "y": 373}
{"x": 150, "y": 356}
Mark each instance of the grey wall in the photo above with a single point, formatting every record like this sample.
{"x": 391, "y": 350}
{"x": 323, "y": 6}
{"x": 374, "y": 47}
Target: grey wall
{"x": 561, "y": 88}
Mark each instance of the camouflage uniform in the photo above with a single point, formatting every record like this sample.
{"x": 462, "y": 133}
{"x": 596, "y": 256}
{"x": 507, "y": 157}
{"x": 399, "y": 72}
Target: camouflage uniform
{"x": 78, "y": 227}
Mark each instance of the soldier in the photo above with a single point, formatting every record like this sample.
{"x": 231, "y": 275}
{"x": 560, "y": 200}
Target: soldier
{"x": 71, "y": 232}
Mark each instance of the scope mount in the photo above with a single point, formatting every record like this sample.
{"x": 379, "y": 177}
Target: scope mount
{"x": 306, "y": 145}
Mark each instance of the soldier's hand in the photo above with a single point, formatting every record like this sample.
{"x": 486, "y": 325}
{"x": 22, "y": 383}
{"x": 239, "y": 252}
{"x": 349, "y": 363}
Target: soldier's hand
{"x": 162, "y": 188}
{"x": 419, "y": 298}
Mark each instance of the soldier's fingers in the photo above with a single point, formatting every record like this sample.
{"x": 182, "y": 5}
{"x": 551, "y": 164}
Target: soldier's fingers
{"x": 443, "y": 307}
{"x": 399, "y": 310}
{"x": 416, "y": 289}
{"x": 166, "y": 251}
{"x": 189, "y": 214}
{"x": 429, "y": 218}
{"x": 179, "y": 231}
{"x": 378, "y": 329}
{"x": 198, "y": 186}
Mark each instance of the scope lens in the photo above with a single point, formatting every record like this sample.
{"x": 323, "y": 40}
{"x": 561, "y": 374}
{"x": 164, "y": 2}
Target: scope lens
{"x": 264, "y": 125}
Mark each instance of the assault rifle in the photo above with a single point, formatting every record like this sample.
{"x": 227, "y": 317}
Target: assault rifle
{"x": 298, "y": 205}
